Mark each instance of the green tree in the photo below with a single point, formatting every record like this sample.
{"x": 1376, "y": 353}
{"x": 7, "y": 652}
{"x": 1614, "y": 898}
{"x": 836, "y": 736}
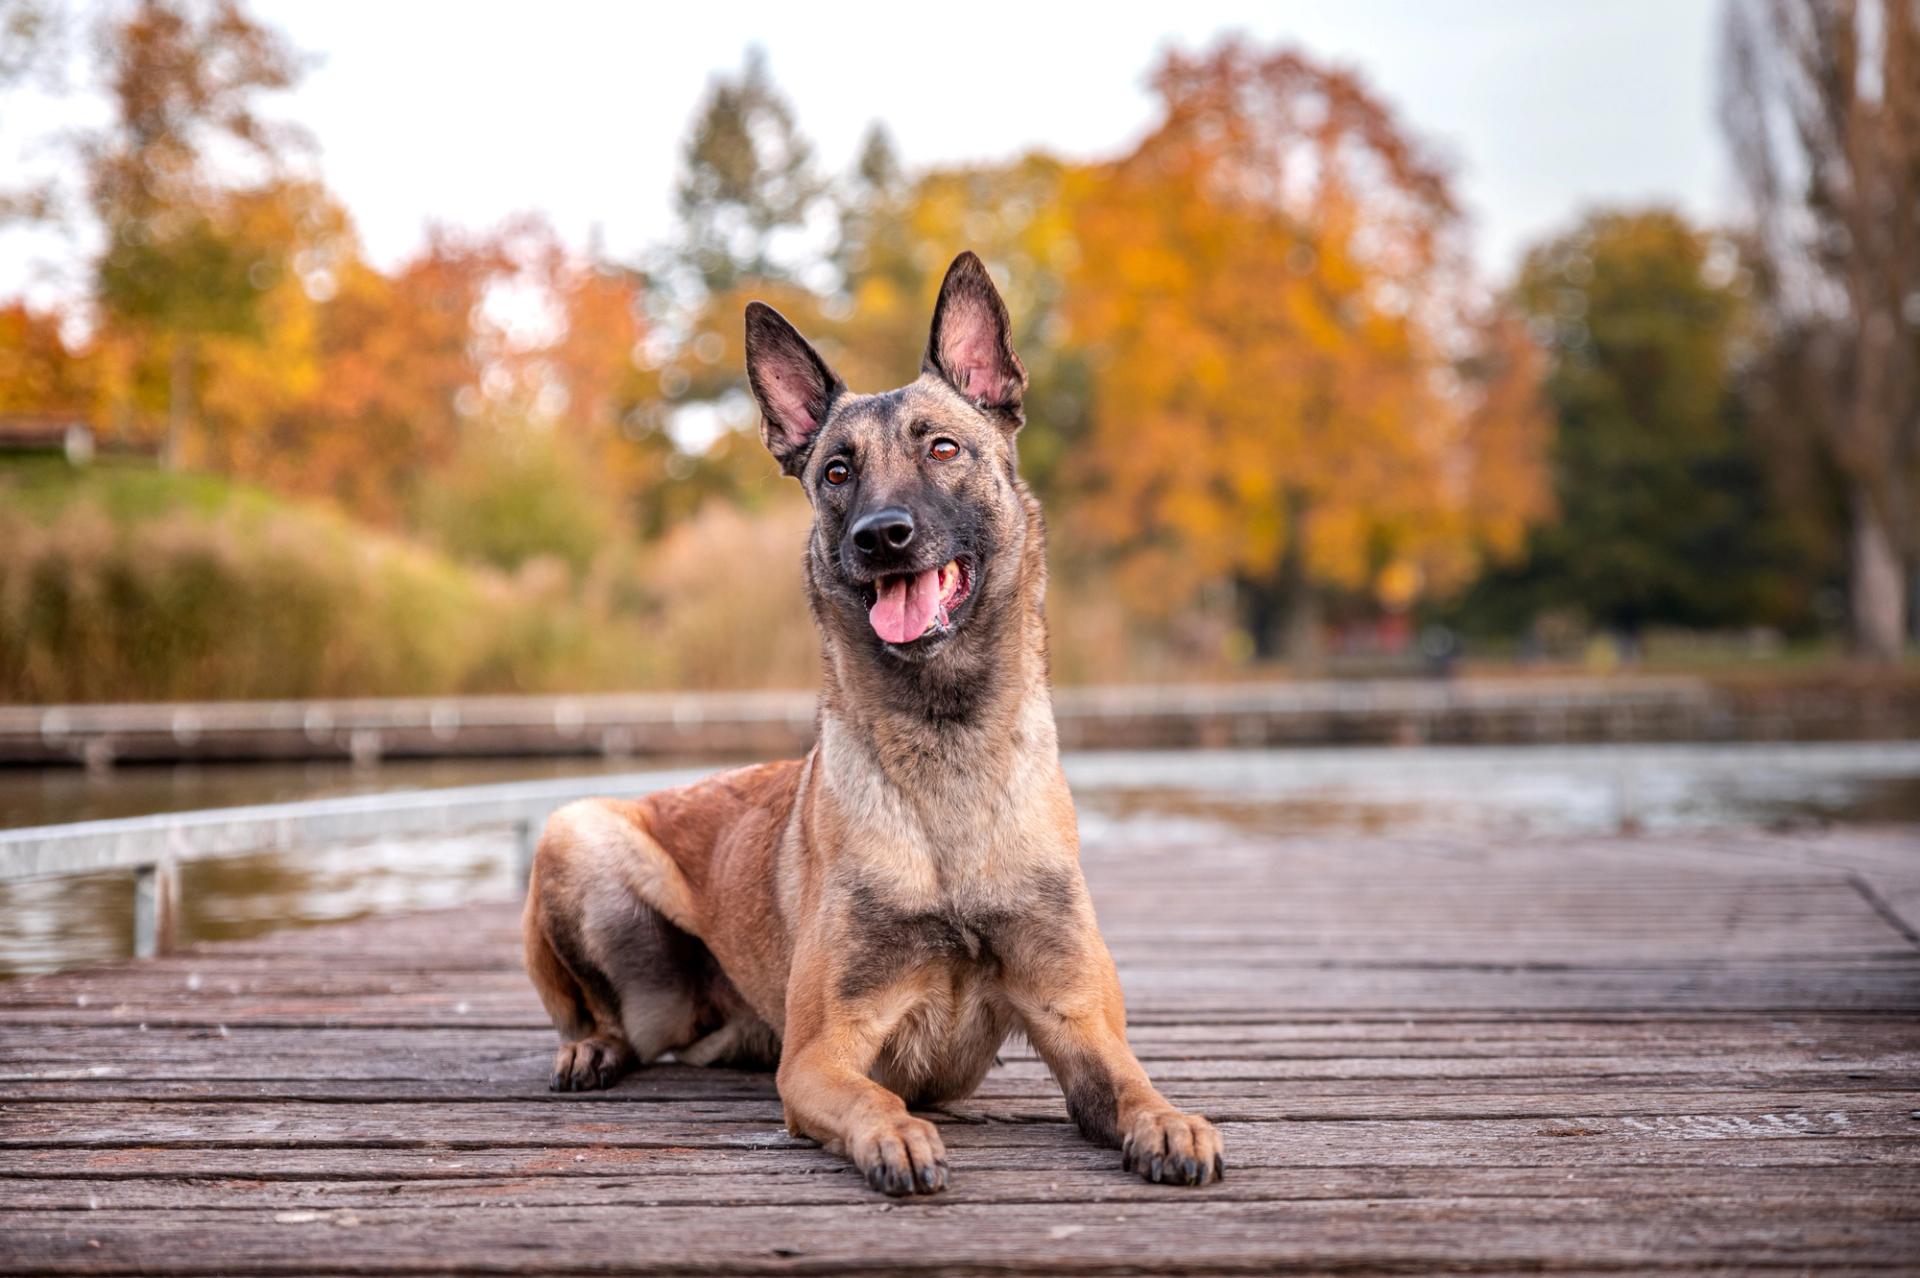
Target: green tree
{"x": 1665, "y": 512}
{"x": 753, "y": 222}
{"x": 185, "y": 80}
{"x": 748, "y": 184}
{"x": 870, "y": 206}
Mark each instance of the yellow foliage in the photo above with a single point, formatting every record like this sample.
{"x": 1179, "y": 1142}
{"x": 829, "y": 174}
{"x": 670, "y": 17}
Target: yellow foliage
{"x": 1271, "y": 289}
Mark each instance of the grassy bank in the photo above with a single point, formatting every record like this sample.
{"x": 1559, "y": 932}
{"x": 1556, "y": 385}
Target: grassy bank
{"x": 123, "y": 582}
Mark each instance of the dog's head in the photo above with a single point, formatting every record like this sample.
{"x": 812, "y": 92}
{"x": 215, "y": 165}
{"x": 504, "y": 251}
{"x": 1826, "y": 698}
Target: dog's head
{"x": 919, "y": 514}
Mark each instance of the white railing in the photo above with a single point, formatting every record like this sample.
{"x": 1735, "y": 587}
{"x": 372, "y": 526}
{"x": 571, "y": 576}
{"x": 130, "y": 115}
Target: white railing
{"x": 154, "y": 847}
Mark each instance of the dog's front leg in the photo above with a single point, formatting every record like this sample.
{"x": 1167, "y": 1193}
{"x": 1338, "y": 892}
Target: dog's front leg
{"x": 830, "y": 1046}
{"x": 1075, "y": 1017}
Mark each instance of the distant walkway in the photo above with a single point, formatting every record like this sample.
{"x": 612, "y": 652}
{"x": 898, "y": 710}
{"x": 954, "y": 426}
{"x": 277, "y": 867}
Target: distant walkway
{"x": 1578, "y": 1054}
{"x": 1510, "y": 710}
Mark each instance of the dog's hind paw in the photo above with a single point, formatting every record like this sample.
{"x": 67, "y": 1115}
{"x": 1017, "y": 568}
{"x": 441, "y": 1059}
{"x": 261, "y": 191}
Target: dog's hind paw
{"x": 591, "y": 1064}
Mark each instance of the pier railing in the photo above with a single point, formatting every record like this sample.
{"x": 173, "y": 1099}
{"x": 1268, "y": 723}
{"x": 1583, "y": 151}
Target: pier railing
{"x": 1472, "y": 710}
{"x": 154, "y": 847}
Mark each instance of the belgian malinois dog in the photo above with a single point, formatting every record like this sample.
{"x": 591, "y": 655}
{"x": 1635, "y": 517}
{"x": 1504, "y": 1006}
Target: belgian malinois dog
{"x": 877, "y": 917}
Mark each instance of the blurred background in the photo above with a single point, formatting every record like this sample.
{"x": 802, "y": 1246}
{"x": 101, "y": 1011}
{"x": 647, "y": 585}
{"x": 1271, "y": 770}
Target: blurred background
{"x": 347, "y": 351}
{"x": 1540, "y": 378}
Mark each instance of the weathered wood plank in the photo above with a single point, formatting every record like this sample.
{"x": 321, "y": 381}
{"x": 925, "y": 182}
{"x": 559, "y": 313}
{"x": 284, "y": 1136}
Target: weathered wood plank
{"x": 1291, "y": 1094}
{"x": 1564, "y": 1148}
{"x": 1882, "y": 1119}
{"x": 118, "y": 1049}
{"x": 1801, "y": 1190}
{"x": 1032, "y": 1099}
{"x": 1192, "y": 1230}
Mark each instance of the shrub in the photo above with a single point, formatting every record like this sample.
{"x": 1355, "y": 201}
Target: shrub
{"x": 123, "y": 584}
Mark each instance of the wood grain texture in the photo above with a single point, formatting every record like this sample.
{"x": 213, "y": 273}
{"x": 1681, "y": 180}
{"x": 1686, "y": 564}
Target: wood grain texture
{"x": 1698, "y": 1053}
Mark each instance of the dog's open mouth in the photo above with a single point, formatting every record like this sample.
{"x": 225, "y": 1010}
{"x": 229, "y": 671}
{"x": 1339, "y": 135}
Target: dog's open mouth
{"x": 906, "y": 606}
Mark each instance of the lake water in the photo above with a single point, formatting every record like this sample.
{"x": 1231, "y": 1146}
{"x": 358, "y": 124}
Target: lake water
{"x": 1330, "y": 793}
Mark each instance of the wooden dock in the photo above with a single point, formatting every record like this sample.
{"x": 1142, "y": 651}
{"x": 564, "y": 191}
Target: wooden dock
{"x": 1475, "y": 710}
{"x": 1622, "y": 1055}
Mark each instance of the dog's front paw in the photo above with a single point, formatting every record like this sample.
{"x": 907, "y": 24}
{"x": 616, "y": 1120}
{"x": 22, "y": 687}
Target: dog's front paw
{"x": 1168, "y": 1147}
{"x": 902, "y": 1156}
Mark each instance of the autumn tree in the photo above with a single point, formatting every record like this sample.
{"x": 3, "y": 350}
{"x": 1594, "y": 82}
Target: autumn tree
{"x": 41, "y": 373}
{"x": 1017, "y": 217}
{"x": 390, "y": 360}
{"x": 185, "y": 80}
{"x": 1295, "y": 384}
{"x": 1822, "y": 107}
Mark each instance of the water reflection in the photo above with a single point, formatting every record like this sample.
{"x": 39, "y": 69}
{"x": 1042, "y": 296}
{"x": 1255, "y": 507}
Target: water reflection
{"x": 1169, "y": 798}
{"x": 1508, "y": 791}
{"x": 238, "y": 897}
{"x": 46, "y": 924}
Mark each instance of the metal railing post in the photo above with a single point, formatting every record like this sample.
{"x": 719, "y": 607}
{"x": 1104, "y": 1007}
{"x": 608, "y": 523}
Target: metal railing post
{"x": 526, "y": 837}
{"x": 156, "y": 897}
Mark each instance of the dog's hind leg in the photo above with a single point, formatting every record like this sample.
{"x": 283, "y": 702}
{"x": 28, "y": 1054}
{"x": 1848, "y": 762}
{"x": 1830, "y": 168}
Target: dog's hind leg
{"x": 623, "y": 981}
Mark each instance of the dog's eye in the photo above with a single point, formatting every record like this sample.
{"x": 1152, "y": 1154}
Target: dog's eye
{"x": 943, "y": 450}
{"x": 838, "y": 472}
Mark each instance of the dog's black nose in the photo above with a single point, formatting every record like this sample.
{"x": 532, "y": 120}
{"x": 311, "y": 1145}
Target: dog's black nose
{"x": 883, "y": 531}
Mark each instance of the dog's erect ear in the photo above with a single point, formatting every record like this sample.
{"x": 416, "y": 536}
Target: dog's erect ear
{"x": 971, "y": 345}
{"x": 793, "y": 385}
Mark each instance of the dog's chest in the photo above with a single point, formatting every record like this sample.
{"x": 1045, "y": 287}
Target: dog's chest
{"x": 890, "y": 939}
{"x": 947, "y": 967}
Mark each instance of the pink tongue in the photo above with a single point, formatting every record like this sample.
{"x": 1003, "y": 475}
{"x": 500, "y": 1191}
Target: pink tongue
{"x": 905, "y": 606}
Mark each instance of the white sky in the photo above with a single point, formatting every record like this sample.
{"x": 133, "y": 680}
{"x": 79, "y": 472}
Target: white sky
{"x": 469, "y": 113}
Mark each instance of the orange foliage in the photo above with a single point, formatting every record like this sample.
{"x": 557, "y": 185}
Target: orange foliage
{"x": 1273, "y": 292}
{"x": 39, "y": 372}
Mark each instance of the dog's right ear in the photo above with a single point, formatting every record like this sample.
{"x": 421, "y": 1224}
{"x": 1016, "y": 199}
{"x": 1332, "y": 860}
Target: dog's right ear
{"x": 792, "y": 384}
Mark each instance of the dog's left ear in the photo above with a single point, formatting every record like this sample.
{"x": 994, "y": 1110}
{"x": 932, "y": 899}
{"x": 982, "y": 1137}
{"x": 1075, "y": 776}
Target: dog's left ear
{"x": 971, "y": 346}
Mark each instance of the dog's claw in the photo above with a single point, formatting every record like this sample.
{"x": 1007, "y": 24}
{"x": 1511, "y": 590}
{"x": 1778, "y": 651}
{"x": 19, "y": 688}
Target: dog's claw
{"x": 903, "y": 1157}
{"x": 590, "y": 1064}
{"x": 1171, "y": 1148}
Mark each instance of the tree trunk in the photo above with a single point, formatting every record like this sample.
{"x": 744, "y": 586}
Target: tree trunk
{"x": 1913, "y": 603}
{"x": 1301, "y": 600}
{"x": 1877, "y": 584}
{"x": 1262, "y": 611}
{"x": 179, "y": 402}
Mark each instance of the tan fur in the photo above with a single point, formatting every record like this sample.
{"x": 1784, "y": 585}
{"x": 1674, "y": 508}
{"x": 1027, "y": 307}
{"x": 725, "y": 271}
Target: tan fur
{"x": 879, "y": 916}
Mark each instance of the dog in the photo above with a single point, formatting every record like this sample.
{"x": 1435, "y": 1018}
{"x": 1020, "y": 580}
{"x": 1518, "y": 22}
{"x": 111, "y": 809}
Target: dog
{"x": 873, "y": 920}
